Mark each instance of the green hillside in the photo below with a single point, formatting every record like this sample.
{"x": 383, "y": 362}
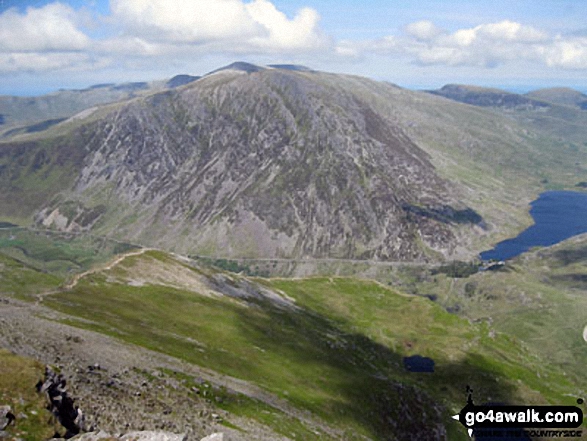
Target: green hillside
{"x": 337, "y": 353}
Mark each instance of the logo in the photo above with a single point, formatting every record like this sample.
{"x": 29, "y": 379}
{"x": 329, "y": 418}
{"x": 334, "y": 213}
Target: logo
{"x": 507, "y": 421}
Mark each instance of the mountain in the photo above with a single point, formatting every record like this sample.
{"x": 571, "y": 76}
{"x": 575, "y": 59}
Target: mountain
{"x": 239, "y": 66}
{"x": 180, "y": 80}
{"x": 22, "y": 111}
{"x": 299, "y": 173}
{"x": 550, "y": 112}
{"x": 275, "y": 163}
{"x": 560, "y": 95}
{"x": 22, "y": 115}
{"x": 296, "y": 171}
{"x": 485, "y": 97}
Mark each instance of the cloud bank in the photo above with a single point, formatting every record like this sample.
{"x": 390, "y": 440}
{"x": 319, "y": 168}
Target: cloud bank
{"x": 487, "y": 45}
{"x": 53, "y": 36}
{"x": 57, "y": 37}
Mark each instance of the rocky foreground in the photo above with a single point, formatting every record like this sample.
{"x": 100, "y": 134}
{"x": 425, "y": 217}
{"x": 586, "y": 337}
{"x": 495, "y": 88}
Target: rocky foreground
{"x": 144, "y": 436}
{"x": 124, "y": 392}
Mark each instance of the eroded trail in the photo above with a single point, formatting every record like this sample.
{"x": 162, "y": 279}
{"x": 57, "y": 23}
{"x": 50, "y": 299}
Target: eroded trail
{"x": 77, "y": 277}
{"x": 128, "y": 387}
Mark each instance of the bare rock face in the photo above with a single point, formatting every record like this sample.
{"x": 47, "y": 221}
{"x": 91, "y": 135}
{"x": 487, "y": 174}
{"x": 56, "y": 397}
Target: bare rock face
{"x": 131, "y": 436}
{"x": 272, "y": 163}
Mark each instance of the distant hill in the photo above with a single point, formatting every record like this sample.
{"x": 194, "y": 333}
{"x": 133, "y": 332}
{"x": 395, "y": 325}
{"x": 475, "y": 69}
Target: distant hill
{"x": 20, "y": 115}
{"x": 560, "y": 95}
{"x": 180, "y": 80}
{"x": 239, "y": 66}
{"x": 548, "y": 111}
{"x": 31, "y": 114}
{"x": 486, "y": 97}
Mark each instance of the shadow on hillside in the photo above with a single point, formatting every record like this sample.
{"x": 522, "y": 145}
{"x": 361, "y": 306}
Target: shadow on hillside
{"x": 346, "y": 377}
{"x": 568, "y": 257}
{"x": 445, "y": 214}
{"x": 575, "y": 280}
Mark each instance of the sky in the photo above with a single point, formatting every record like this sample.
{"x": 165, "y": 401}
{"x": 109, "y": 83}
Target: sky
{"x": 517, "y": 45}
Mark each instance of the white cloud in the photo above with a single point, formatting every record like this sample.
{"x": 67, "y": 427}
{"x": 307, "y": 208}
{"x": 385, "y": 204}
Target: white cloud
{"x": 184, "y": 20}
{"x": 423, "y": 30}
{"x": 257, "y": 25}
{"x": 566, "y": 53}
{"x": 45, "y": 62}
{"x": 300, "y": 33}
{"x": 50, "y": 28}
{"x": 137, "y": 32}
{"x": 485, "y": 45}
{"x": 147, "y": 34}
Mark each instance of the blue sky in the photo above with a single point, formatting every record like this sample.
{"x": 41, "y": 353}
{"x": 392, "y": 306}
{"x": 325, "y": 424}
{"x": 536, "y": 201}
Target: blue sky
{"x": 515, "y": 44}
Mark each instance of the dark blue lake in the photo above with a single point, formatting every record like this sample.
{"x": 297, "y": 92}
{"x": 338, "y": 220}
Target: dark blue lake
{"x": 417, "y": 363}
{"x": 557, "y": 215}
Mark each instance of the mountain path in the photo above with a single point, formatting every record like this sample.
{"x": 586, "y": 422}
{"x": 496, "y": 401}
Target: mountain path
{"x": 29, "y": 329}
{"x": 77, "y": 277}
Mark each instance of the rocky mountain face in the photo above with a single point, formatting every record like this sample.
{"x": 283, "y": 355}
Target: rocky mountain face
{"x": 261, "y": 163}
{"x": 286, "y": 162}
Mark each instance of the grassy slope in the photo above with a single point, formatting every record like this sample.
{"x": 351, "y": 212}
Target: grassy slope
{"x": 18, "y": 376}
{"x": 540, "y": 299}
{"x": 57, "y": 254}
{"x": 340, "y": 356}
{"x": 22, "y": 281}
{"x": 32, "y": 173}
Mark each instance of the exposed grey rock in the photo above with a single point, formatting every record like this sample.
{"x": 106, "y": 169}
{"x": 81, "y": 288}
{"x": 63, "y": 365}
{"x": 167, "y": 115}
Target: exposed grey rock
{"x": 94, "y": 436}
{"x": 215, "y": 437}
{"x": 131, "y": 436}
{"x": 6, "y": 417}
{"x": 152, "y": 436}
{"x": 60, "y": 404}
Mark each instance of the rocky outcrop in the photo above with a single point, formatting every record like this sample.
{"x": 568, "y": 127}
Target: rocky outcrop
{"x": 6, "y": 417}
{"x": 60, "y": 404}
